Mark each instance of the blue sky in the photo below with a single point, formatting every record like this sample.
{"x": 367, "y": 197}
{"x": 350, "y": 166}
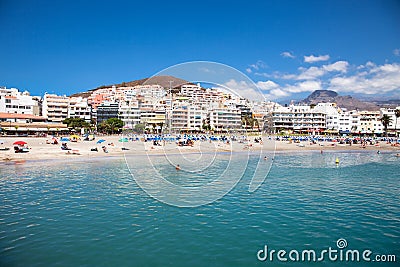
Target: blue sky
{"x": 288, "y": 48}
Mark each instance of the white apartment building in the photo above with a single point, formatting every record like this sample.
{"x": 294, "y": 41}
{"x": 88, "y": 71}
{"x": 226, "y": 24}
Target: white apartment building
{"x": 395, "y": 122}
{"x": 338, "y": 120}
{"x": 222, "y": 119}
{"x": 78, "y": 107}
{"x": 187, "y": 118}
{"x": 151, "y": 90}
{"x": 369, "y": 122}
{"x": 298, "y": 119}
{"x": 13, "y": 101}
{"x": 348, "y": 122}
{"x": 192, "y": 90}
{"x": 153, "y": 119}
{"x": 333, "y": 115}
{"x": 102, "y": 95}
{"x": 129, "y": 94}
{"x": 55, "y": 108}
{"x": 129, "y": 113}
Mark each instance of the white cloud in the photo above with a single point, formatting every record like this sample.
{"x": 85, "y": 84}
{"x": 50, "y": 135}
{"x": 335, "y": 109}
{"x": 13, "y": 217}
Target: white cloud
{"x": 288, "y": 77}
{"x": 315, "y": 72}
{"x": 273, "y": 90}
{"x": 278, "y": 93}
{"x": 258, "y": 65}
{"x": 244, "y": 89}
{"x": 267, "y": 85}
{"x": 387, "y": 68}
{"x": 370, "y": 64}
{"x": 287, "y": 54}
{"x": 310, "y": 73}
{"x": 306, "y": 86}
{"x": 396, "y": 52}
{"x": 379, "y": 80}
{"x": 340, "y": 66}
{"x": 312, "y": 58}
{"x": 248, "y": 70}
{"x": 369, "y": 78}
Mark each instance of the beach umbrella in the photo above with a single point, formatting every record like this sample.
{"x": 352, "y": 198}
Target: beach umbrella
{"x": 101, "y": 141}
{"x": 1, "y": 142}
{"x": 19, "y": 143}
{"x": 124, "y": 140}
{"x": 64, "y": 139}
{"x": 74, "y": 136}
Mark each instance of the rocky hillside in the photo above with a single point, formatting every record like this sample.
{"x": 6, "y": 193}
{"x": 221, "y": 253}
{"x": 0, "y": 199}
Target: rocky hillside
{"x": 164, "y": 81}
{"x": 348, "y": 102}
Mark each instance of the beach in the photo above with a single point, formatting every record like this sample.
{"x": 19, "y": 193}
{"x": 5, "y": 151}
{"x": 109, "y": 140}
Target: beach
{"x": 40, "y": 148}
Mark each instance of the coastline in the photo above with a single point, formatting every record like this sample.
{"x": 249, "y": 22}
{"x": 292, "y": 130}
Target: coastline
{"x": 39, "y": 150}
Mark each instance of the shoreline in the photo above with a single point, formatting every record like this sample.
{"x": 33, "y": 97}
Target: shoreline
{"x": 81, "y": 150}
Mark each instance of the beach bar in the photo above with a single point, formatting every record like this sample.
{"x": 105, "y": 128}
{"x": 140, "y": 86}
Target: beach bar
{"x": 22, "y": 124}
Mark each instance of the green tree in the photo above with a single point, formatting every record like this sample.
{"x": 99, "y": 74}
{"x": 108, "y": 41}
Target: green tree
{"x": 76, "y": 123}
{"x": 397, "y": 114}
{"x": 249, "y": 122}
{"x": 111, "y": 125}
{"x": 386, "y": 120}
{"x": 161, "y": 124}
{"x": 139, "y": 128}
{"x": 206, "y": 125}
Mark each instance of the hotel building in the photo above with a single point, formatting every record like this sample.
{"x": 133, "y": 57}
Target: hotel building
{"x": 55, "y": 108}
{"x": 298, "y": 119}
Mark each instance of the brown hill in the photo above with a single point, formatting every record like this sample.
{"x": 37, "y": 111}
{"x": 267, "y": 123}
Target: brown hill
{"x": 348, "y": 102}
{"x": 163, "y": 81}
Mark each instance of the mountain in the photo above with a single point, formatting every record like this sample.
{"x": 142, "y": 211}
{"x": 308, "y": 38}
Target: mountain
{"x": 391, "y": 103}
{"x": 319, "y": 96}
{"x": 348, "y": 102}
{"x": 164, "y": 81}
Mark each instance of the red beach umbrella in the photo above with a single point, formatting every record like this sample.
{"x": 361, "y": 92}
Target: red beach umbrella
{"x": 20, "y": 143}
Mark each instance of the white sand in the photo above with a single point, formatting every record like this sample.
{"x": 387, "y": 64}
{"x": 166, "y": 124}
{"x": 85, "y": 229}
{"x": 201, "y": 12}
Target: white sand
{"x": 39, "y": 150}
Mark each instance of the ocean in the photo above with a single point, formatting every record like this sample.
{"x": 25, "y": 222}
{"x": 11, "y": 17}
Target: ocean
{"x": 94, "y": 213}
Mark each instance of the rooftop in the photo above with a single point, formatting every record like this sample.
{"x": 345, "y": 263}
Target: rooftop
{"x": 20, "y": 116}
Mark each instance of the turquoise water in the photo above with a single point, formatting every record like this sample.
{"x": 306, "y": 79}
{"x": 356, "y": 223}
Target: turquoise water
{"x": 92, "y": 213}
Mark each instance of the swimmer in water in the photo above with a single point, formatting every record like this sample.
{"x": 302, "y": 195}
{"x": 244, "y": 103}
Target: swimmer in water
{"x": 177, "y": 167}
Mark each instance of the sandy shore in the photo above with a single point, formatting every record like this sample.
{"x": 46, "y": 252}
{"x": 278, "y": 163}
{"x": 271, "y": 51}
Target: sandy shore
{"x": 40, "y": 150}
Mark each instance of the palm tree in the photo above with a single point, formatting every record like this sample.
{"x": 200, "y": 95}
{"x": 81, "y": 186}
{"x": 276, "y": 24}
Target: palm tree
{"x": 256, "y": 123}
{"x": 397, "y": 114}
{"x": 248, "y": 121}
{"x": 111, "y": 125}
{"x": 161, "y": 127}
{"x": 386, "y": 120}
